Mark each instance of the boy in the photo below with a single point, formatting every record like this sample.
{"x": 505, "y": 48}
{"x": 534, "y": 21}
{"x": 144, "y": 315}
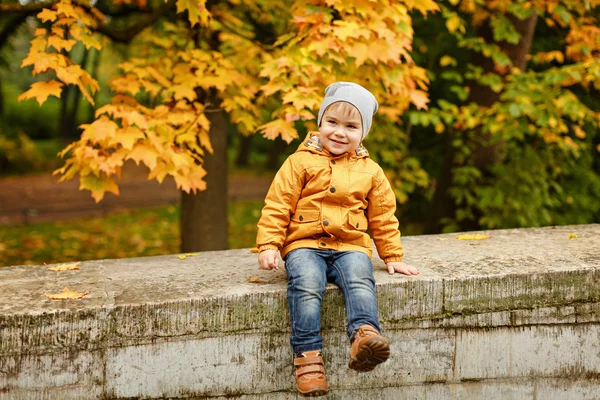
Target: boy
{"x": 316, "y": 214}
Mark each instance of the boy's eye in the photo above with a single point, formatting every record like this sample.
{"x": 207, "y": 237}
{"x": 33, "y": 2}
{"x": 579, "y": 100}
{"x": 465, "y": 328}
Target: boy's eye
{"x": 352, "y": 126}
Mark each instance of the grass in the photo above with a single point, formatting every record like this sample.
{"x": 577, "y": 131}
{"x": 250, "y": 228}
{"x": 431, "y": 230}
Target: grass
{"x": 135, "y": 233}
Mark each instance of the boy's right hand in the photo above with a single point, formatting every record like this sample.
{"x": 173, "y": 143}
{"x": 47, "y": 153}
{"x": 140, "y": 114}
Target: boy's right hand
{"x": 268, "y": 260}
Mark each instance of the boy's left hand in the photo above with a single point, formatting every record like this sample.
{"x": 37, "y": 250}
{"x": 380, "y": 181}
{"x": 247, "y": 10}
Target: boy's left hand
{"x": 402, "y": 268}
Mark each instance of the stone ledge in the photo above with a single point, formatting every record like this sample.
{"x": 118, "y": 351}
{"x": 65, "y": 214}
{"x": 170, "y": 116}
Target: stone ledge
{"x": 147, "y": 321}
{"x": 463, "y": 283}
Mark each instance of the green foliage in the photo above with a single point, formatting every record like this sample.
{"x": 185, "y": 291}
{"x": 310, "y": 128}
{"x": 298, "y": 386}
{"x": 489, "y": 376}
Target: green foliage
{"x": 135, "y": 233}
{"x": 22, "y": 155}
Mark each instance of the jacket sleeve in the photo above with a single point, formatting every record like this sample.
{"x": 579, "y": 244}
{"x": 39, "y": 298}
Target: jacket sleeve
{"x": 280, "y": 204}
{"x": 382, "y": 220}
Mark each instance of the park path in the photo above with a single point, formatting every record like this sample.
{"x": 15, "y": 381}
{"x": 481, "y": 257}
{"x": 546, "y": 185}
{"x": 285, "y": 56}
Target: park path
{"x": 41, "y": 198}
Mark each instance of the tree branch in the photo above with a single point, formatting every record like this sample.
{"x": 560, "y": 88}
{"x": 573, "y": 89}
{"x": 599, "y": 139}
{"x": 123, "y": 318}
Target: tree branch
{"x": 25, "y": 8}
{"x": 126, "y": 36}
{"x": 11, "y": 27}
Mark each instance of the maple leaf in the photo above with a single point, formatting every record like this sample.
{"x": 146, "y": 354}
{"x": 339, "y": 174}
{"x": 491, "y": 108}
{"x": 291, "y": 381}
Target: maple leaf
{"x": 66, "y": 267}
{"x": 127, "y": 137}
{"x": 47, "y": 15}
{"x": 253, "y": 280}
{"x": 279, "y": 128}
{"x": 196, "y": 10}
{"x": 419, "y": 99}
{"x": 473, "y": 236}
{"x": 66, "y": 294}
{"x": 144, "y": 153}
{"x": 99, "y": 130}
{"x": 572, "y": 236}
{"x": 41, "y": 90}
{"x": 98, "y": 185}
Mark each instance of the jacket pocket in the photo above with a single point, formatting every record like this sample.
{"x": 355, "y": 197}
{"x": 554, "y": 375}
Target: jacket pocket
{"x": 357, "y": 221}
{"x": 304, "y": 216}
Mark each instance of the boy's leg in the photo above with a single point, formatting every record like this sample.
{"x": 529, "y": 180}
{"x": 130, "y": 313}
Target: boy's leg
{"x": 306, "y": 272}
{"x": 353, "y": 273}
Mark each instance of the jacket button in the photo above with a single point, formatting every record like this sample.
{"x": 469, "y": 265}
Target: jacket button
{"x": 357, "y": 224}
{"x": 332, "y": 190}
{"x": 333, "y": 162}
{"x": 322, "y": 244}
{"x": 325, "y": 223}
{"x": 301, "y": 218}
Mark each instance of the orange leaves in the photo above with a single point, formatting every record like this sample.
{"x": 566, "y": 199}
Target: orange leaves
{"x": 65, "y": 15}
{"x": 41, "y": 90}
{"x": 281, "y": 128}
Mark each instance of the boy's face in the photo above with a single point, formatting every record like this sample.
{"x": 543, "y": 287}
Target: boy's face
{"x": 341, "y": 131}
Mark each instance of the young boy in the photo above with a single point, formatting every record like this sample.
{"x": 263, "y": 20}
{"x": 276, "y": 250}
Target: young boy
{"x": 316, "y": 215}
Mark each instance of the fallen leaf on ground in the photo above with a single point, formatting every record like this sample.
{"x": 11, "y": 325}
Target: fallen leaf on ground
{"x": 254, "y": 280}
{"x": 66, "y": 294}
{"x": 191, "y": 254}
{"x": 254, "y": 250}
{"x": 473, "y": 236}
{"x": 66, "y": 267}
{"x": 182, "y": 257}
{"x": 572, "y": 236}
{"x": 444, "y": 238}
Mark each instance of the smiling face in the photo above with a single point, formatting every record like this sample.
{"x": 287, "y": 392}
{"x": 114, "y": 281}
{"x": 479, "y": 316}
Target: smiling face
{"x": 341, "y": 128}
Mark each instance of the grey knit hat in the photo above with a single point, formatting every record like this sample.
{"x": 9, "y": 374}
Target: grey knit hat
{"x": 352, "y": 93}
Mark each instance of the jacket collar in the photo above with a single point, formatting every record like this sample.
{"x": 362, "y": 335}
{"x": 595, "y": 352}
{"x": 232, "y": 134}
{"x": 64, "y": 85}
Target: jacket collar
{"x": 312, "y": 143}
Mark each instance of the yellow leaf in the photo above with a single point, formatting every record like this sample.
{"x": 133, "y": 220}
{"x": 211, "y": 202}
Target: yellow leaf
{"x": 439, "y": 127}
{"x": 254, "y": 250}
{"x": 302, "y": 98}
{"x": 447, "y": 60}
{"x": 279, "y": 128}
{"x": 61, "y": 44}
{"x": 47, "y": 15}
{"x": 144, "y": 153}
{"x": 99, "y": 130}
{"x": 98, "y": 185}
{"x": 580, "y": 133}
{"x": 128, "y": 136}
{"x": 572, "y": 236}
{"x": 182, "y": 257}
{"x": 66, "y": 267}
{"x": 66, "y": 294}
{"x": 453, "y": 23}
{"x": 419, "y": 98}
{"x": 41, "y": 90}
{"x": 472, "y": 236}
{"x": 253, "y": 280}
{"x": 184, "y": 91}
{"x": 192, "y": 254}
{"x": 196, "y": 10}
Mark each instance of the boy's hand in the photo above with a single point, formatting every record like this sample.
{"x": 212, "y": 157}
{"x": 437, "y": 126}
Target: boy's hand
{"x": 268, "y": 260}
{"x": 402, "y": 268}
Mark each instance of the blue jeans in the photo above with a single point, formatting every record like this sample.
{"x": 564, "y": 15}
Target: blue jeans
{"x": 308, "y": 270}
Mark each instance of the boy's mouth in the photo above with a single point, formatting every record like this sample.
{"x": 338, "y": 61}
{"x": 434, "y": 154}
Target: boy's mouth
{"x": 337, "y": 141}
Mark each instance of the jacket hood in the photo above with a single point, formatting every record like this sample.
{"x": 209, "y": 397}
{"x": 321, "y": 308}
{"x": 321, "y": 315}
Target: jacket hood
{"x": 312, "y": 143}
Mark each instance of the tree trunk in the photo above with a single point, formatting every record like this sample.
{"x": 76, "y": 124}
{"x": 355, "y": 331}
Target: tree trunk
{"x": 277, "y": 148}
{"x": 243, "y": 156}
{"x": 204, "y": 215}
{"x": 486, "y": 154}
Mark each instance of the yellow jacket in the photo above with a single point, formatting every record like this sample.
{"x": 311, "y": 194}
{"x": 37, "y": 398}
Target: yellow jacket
{"x": 321, "y": 201}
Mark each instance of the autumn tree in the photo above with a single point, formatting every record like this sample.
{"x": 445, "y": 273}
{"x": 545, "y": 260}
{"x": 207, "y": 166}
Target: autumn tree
{"x": 514, "y": 113}
{"x": 260, "y": 65}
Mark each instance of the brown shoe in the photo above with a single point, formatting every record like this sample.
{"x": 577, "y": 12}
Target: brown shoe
{"x": 368, "y": 349}
{"x": 310, "y": 374}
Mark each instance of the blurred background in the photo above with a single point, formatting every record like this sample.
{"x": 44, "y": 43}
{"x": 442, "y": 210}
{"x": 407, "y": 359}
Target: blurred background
{"x": 510, "y": 138}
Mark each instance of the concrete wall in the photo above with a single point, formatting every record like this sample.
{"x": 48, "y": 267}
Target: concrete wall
{"x": 512, "y": 317}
